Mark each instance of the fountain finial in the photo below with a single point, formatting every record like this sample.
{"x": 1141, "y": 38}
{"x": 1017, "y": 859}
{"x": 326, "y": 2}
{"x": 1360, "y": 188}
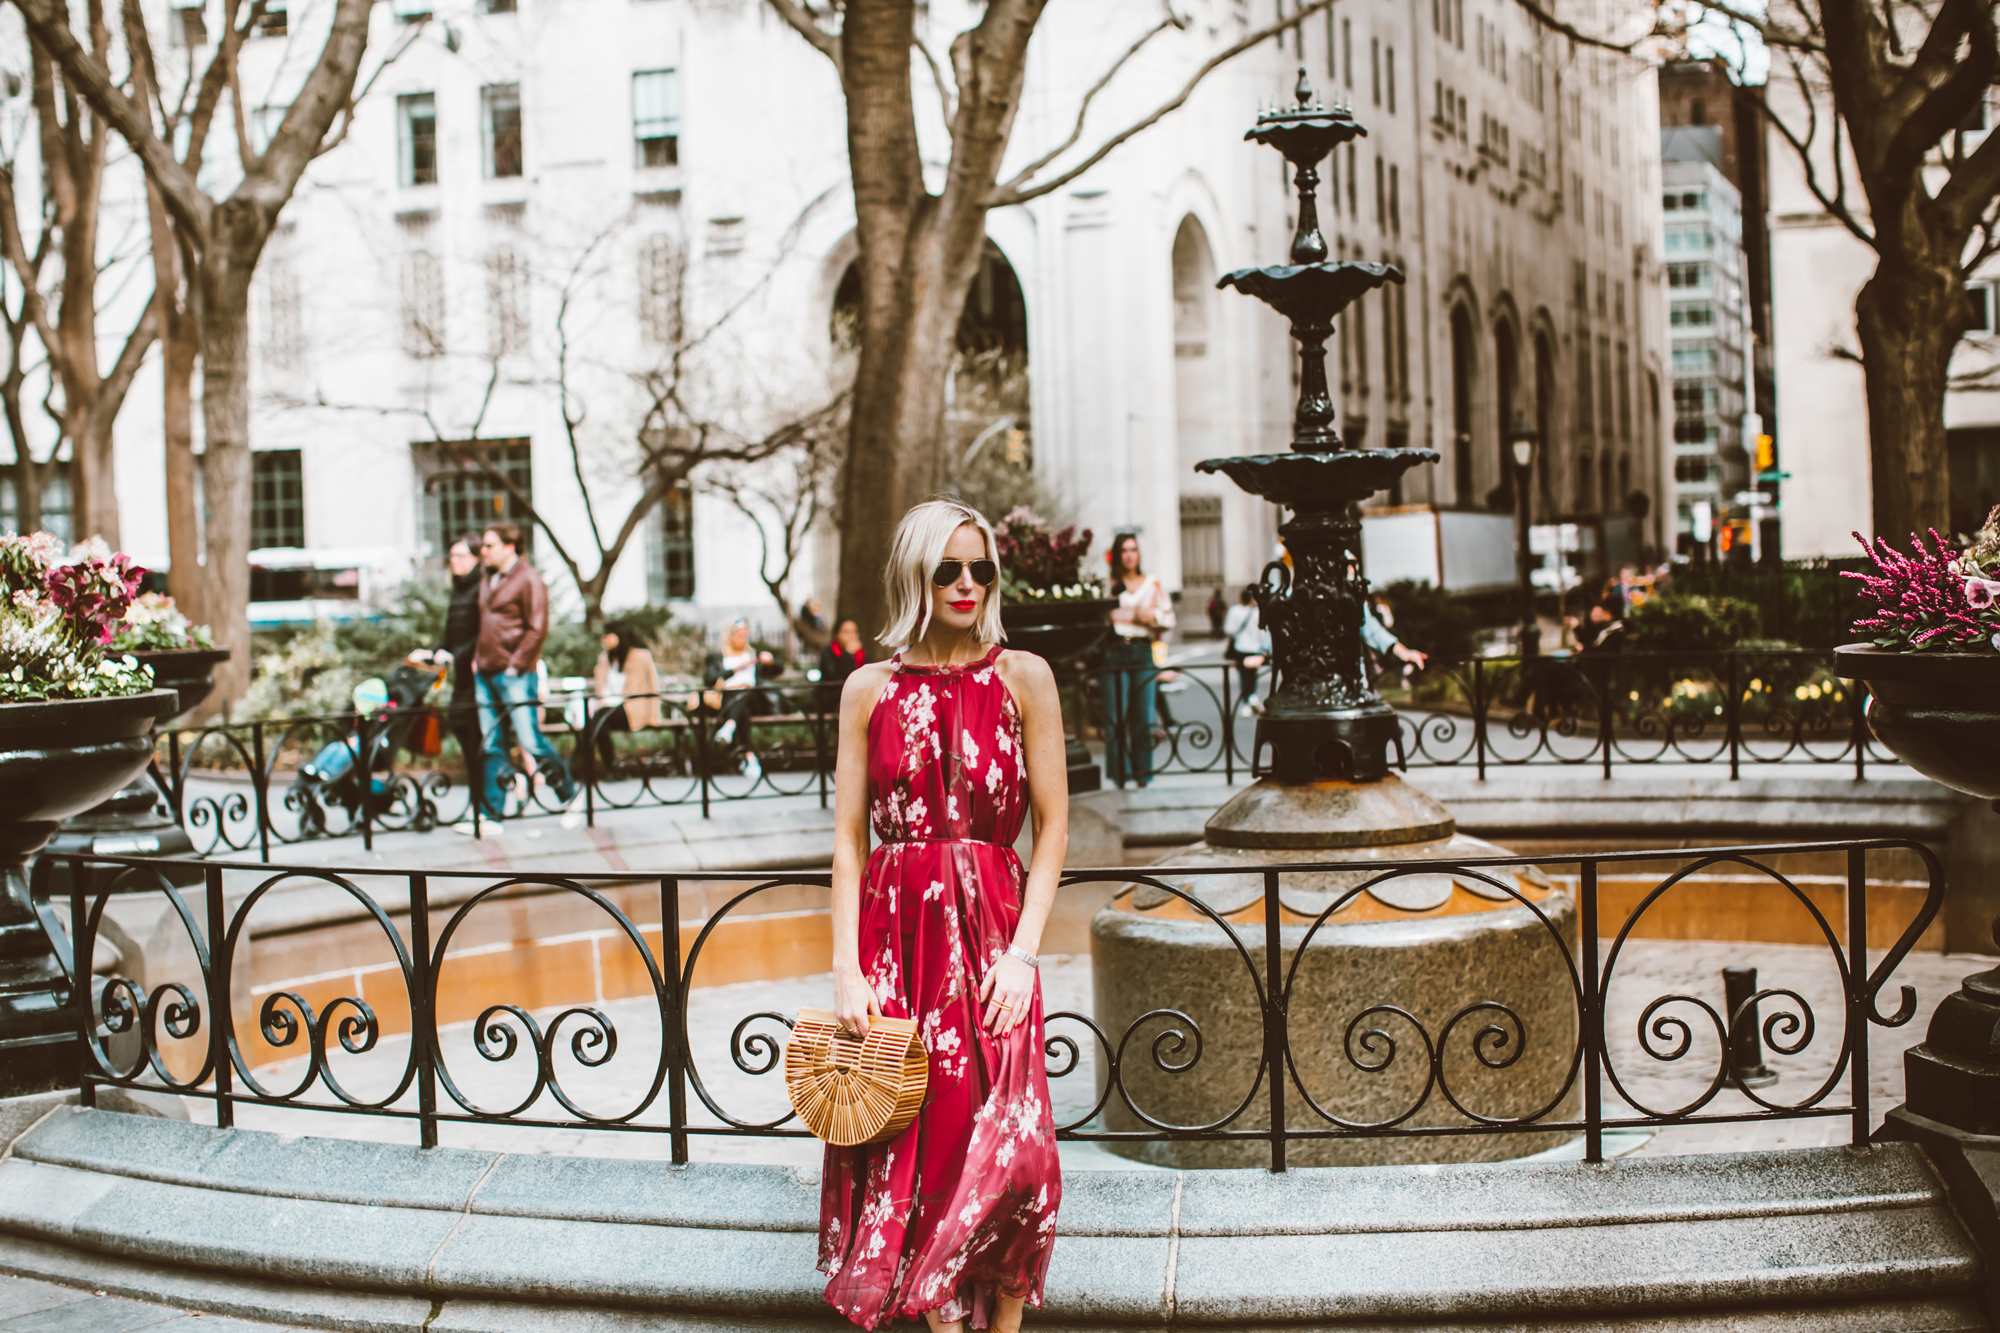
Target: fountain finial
{"x": 1304, "y": 92}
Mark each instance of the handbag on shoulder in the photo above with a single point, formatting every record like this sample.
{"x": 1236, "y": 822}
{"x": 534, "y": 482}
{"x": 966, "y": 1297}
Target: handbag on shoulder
{"x": 851, "y": 1090}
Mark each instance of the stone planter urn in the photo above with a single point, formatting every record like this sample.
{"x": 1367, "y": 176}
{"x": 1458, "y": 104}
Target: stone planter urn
{"x": 189, "y": 672}
{"x": 130, "y": 822}
{"x": 56, "y": 758}
{"x": 1064, "y": 633}
{"x": 1940, "y": 714}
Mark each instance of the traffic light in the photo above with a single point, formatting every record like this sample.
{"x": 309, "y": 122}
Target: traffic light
{"x": 1726, "y": 536}
{"x": 1767, "y": 453}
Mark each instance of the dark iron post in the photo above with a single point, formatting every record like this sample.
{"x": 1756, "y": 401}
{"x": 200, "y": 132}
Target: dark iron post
{"x": 675, "y": 1037}
{"x": 423, "y": 1009}
{"x": 220, "y": 1022}
{"x": 1592, "y": 1017}
{"x": 1858, "y": 1000}
{"x": 1274, "y": 1015}
{"x": 1522, "y": 440}
{"x": 260, "y": 787}
{"x": 1746, "y": 1043}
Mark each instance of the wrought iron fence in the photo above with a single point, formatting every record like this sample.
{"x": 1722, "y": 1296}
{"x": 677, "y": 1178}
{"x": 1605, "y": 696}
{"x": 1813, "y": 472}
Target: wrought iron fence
{"x": 383, "y": 773}
{"x": 183, "y": 1034}
{"x": 1733, "y": 709}
{"x": 1580, "y": 710}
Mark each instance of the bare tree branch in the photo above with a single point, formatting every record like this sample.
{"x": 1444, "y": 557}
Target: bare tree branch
{"x": 826, "y": 43}
{"x": 1835, "y": 203}
{"x": 947, "y": 99}
{"x": 1018, "y": 191}
{"x": 1025, "y": 174}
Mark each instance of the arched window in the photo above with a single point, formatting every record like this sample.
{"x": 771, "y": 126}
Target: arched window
{"x": 1461, "y": 405}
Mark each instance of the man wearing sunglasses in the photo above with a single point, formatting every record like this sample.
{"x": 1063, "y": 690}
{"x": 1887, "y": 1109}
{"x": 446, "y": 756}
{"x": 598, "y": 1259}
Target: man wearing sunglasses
{"x": 513, "y": 622}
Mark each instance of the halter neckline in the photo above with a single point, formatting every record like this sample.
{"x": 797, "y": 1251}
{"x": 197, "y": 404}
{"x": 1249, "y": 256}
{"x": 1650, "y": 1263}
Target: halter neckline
{"x": 940, "y": 669}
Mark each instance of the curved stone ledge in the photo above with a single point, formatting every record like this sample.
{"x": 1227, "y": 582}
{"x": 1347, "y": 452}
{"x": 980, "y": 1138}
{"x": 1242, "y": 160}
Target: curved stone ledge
{"x": 1832, "y": 1238}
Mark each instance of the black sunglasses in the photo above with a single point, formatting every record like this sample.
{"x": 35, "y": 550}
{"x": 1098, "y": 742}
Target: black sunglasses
{"x": 983, "y": 572}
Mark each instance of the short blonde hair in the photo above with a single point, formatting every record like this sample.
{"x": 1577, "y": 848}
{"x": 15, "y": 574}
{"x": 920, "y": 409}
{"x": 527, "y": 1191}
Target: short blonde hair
{"x": 918, "y": 546}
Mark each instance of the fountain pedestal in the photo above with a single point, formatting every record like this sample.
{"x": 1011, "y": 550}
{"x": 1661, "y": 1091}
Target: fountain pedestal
{"x": 1452, "y": 955}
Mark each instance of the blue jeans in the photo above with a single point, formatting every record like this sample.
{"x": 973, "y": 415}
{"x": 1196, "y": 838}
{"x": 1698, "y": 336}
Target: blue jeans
{"x": 1130, "y": 679}
{"x": 518, "y": 695}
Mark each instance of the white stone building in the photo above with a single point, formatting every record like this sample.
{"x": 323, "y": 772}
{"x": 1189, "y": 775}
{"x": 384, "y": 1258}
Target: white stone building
{"x": 530, "y": 161}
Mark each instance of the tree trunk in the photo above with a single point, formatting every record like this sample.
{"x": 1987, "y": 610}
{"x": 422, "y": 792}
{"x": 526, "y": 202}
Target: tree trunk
{"x": 180, "y": 348}
{"x": 1908, "y": 318}
{"x": 225, "y": 413}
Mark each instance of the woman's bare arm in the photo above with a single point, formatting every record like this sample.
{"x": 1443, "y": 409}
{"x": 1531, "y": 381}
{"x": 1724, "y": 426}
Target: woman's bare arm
{"x": 1010, "y": 983}
{"x": 853, "y": 1001}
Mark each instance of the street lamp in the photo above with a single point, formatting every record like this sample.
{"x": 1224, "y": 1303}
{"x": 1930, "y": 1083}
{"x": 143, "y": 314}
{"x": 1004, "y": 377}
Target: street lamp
{"x": 1521, "y": 441}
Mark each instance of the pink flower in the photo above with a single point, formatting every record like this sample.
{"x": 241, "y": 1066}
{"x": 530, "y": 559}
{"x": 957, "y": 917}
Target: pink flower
{"x": 1981, "y": 594}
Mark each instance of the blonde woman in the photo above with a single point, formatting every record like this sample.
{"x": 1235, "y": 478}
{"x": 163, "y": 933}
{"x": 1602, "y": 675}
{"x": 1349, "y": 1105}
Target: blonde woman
{"x": 944, "y": 749}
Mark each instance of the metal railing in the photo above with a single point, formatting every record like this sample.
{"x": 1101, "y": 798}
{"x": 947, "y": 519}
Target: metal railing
{"x": 182, "y": 1033}
{"x": 1733, "y": 710}
{"x": 1608, "y": 710}
{"x": 783, "y": 746}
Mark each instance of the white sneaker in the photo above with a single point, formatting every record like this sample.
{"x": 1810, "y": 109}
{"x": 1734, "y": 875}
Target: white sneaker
{"x": 726, "y": 732}
{"x": 573, "y": 812}
{"x": 752, "y": 769}
{"x": 488, "y": 828}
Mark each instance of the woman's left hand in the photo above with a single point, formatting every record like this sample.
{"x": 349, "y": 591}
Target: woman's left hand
{"x": 1007, "y": 992}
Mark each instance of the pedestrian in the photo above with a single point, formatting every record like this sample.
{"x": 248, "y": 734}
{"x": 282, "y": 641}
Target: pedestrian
{"x": 1375, "y": 633}
{"x": 1131, "y": 668}
{"x": 1249, "y": 643}
{"x": 811, "y": 623}
{"x": 456, "y": 648}
{"x": 837, "y": 662}
{"x": 736, "y": 669}
{"x": 513, "y": 622}
{"x": 1603, "y": 629}
{"x": 946, "y": 747}
{"x": 627, "y": 690}
{"x": 1218, "y": 612}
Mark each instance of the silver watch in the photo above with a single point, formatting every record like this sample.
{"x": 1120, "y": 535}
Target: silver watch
{"x": 1016, "y": 951}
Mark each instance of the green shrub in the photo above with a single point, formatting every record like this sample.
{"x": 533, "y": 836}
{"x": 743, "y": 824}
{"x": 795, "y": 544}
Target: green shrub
{"x": 1805, "y": 602}
{"x": 1685, "y": 622}
{"x": 1430, "y": 619}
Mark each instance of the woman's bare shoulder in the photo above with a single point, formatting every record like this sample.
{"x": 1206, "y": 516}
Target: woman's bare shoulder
{"x": 865, "y": 684}
{"x": 1025, "y": 671}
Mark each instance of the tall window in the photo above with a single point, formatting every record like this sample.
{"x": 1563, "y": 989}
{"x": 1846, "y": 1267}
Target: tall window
{"x": 423, "y": 305}
{"x": 1389, "y": 70}
{"x": 506, "y": 301}
{"x": 670, "y": 574}
{"x": 416, "y": 135}
{"x": 277, "y": 499}
{"x": 1347, "y": 51}
{"x": 1624, "y": 392}
{"x": 1375, "y": 68}
{"x": 500, "y": 121}
{"x": 284, "y": 335}
{"x": 659, "y": 290}
{"x": 1604, "y": 395}
{"x": 1585, "y": 416}
{"x": 460, "y": 496}
{"x": 656, "y": 117}
{"x": 56, "y": 504}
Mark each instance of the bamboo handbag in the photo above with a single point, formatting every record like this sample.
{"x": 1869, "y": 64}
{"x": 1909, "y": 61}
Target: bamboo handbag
{"x": 851, "y": 1091}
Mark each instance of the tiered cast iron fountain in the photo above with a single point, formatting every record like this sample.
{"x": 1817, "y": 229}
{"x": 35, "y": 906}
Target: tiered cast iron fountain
{"x": 1436, "y": 946}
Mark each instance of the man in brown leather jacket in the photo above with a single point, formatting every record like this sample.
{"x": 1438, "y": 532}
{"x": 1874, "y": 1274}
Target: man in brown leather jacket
{"x": 513, "y": 621}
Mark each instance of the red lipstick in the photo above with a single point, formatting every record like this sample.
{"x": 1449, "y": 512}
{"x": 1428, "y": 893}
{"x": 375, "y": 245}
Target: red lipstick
{"x": 964, "y": 606}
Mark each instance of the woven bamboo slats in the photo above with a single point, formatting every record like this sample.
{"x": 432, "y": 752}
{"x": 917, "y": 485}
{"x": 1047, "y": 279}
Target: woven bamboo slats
{"x": 850, "y": 1091}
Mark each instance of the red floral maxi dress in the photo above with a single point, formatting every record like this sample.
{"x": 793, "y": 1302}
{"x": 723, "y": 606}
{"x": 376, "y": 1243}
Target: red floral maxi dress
{"x": 960, "y": 1206}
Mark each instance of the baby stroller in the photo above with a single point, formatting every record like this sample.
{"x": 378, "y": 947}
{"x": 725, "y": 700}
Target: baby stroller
{"x": 386, "y": 719}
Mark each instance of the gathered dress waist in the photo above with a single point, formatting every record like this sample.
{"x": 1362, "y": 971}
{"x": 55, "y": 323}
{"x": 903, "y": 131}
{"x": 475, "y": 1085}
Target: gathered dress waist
{"x": 925, "y": 842}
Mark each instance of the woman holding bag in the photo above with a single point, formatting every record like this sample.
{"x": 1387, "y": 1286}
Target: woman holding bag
{"x": 1131, "y": 667}
{"x": 944, "y": 749}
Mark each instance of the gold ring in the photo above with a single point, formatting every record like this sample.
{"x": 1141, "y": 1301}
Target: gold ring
{"x": 1003, "y": 1005}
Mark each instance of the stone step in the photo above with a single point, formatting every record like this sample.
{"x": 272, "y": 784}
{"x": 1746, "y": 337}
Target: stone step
{"x": 455, "y": 1239}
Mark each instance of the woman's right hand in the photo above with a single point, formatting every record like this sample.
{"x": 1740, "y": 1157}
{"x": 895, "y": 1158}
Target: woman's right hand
{"x": 853, "y": 1000}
